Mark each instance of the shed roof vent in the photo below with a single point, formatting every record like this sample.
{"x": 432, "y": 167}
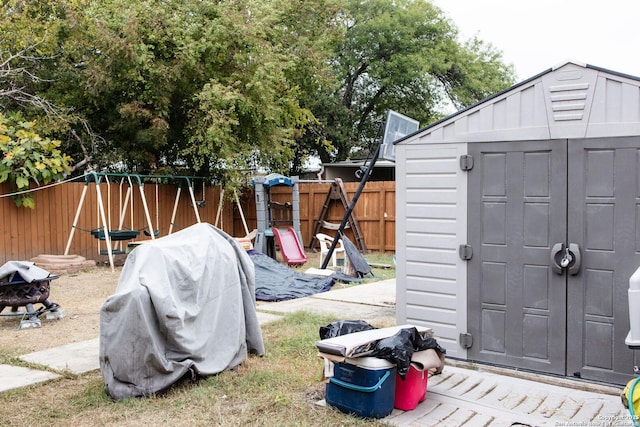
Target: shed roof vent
{"x": 568, "y": 101}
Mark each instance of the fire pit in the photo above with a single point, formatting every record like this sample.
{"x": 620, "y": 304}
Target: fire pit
{"x": 24, "y": 286}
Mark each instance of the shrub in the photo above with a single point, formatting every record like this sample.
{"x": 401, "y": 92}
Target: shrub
{"x": 28, "y": 158}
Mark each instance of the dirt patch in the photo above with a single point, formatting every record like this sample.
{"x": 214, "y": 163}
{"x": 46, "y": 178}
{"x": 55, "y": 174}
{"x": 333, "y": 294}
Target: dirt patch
{"x": 80, "y": 295}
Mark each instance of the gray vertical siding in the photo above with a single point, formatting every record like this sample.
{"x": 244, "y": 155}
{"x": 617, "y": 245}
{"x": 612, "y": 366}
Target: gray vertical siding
{"x": 431, "y": 277}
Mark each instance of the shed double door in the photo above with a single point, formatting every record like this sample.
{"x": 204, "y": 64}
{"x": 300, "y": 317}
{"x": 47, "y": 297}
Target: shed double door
{"x": 555, "y": 231}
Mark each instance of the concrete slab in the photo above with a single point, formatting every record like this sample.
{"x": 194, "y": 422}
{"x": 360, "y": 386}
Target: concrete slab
{"x": 267, "y": 317}
{"x": 381, "y": 293}
{"x": 77, "y": 358}
{"x": 363, "y": 302}
{"x": 340, "y": 309}
{"x": 17, "y": 376}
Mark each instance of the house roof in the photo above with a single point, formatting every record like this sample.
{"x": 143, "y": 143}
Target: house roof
{"x": 571, "y": 99}
{"x": 359, "y": 162}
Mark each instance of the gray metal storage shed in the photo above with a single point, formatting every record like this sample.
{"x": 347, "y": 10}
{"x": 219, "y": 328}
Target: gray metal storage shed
{"x": 492, "y": 199}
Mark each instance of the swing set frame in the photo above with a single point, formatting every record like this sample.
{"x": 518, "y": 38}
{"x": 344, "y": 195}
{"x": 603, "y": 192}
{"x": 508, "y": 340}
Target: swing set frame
{"x": 104, "y": 230}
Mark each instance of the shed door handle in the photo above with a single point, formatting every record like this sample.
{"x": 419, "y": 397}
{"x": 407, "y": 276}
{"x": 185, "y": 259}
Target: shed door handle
{"x": 557, "y": 253}
{"x": 566, "y": 257}
{"x": 574, "y": 267}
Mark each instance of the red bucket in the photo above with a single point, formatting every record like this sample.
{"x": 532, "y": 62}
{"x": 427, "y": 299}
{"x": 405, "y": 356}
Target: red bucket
{"x": 412, "y": 390}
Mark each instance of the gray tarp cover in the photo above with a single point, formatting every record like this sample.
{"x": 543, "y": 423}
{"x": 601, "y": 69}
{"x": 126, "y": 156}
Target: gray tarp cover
{"x": 26, "y": 270}
{"x": 184, "y": 303}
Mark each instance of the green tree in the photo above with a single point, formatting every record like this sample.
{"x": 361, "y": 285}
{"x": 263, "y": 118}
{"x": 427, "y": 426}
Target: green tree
{"x": 192, "y": 86}
{"x": 308, "y": 33}
{"x": 219, "y": 88}
{"x": 40, "y": 48}
{"x": 27, "y": 158}
{"x": 403, "y": 55}
{"x": 189, "y": 87}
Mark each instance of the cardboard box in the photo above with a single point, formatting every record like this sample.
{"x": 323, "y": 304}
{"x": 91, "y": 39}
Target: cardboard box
{"x": 359, "y": 344}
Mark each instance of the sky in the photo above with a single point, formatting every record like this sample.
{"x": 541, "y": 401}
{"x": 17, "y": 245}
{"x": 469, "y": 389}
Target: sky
{"x": 539, "y": 34}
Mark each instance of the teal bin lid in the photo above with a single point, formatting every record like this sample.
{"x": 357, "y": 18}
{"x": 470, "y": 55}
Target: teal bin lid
{"x": 274, "y": 179}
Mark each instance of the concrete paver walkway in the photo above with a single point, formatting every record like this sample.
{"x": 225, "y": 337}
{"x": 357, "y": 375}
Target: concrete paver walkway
{"x": 76, "y": 358}
{"x": 464, "y": 397}
{"x": 16, "y": 376}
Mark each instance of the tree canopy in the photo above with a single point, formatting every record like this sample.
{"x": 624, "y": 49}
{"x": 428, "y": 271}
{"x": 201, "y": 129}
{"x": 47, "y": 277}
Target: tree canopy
{"x": 405, "y": 56}
{"x": 217, "y": 89}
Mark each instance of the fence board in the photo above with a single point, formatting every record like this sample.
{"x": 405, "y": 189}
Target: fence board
{"x": 26, "y": 233}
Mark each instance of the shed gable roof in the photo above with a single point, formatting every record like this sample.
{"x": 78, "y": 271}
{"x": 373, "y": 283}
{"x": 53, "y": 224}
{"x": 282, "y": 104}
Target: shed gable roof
{"x": 571, "y": 100}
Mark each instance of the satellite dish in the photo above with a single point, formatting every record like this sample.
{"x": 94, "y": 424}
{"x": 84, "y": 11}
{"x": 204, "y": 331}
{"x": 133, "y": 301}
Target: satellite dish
{"x": 396, "y": 127}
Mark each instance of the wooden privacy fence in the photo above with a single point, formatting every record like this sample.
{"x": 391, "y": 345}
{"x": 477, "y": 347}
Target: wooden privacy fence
{"x": 27, "y": 233}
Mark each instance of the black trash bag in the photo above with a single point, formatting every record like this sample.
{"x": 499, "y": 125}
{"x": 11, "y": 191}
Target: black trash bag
{"x": 343, "y": 327}
{"x": 428, "y": 344}
{"x": 398, "y": 349}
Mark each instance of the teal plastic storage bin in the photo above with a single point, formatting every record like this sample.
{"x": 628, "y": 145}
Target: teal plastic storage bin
{"x": 363, "y": 386}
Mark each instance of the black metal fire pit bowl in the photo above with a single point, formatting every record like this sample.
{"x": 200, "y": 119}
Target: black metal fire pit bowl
{"x": 18, "y": 294}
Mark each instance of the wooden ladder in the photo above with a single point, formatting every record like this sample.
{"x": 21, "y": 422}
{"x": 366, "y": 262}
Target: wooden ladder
{"x": 337, "y": 192}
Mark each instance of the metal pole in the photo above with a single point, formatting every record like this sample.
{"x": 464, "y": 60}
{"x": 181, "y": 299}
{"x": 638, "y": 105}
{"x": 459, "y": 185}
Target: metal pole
{"x": 345, "y": 219}
{"x": 244, "y": 221}
{"x": 220, "y": 205}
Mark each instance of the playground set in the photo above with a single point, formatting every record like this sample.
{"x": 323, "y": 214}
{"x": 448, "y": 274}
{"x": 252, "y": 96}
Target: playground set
{"x": 117, "y": 227}
{"x": 279, "y": 223}
{"x": 272, "y": 216}
{"x": 112, "y": 231}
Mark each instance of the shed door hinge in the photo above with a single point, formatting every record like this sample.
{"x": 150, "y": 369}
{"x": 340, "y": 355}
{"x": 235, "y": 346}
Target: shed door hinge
{"x": 466, "y": 162}
{"x": 465, "y": 252}
{"x": 466, "y": 340}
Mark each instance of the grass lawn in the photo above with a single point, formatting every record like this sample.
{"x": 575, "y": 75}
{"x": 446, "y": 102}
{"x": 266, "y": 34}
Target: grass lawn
{"x": 279, "y": 389}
